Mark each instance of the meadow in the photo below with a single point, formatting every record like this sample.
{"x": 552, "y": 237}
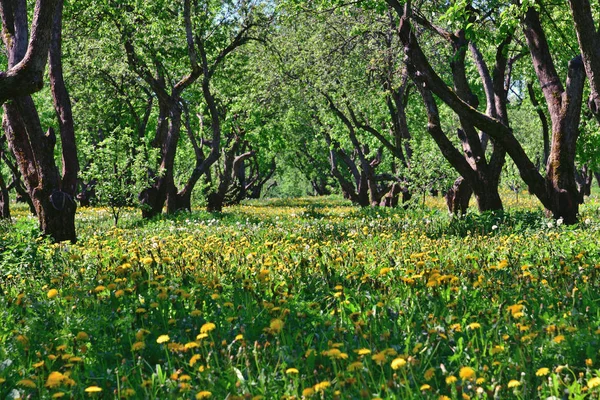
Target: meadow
{"x": 307, "y": 298}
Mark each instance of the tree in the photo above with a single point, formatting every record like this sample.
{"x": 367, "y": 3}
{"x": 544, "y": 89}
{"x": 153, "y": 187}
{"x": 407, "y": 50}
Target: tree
{"x": 557, "y": 191}
{"x": 51, "y": 193}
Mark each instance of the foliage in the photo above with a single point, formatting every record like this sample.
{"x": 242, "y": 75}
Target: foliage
{"x": 304, "y": 298}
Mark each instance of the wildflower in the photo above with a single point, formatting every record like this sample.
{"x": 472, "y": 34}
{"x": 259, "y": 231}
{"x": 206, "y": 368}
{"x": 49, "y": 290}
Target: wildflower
{"x": 54, "y": 379}
{"x": 308, "y": 392}
{"x": 542, "y": 372}
{"x": 82, "y": 336}
{"x": 321, "y": 386}
{"x": 291, "y": 371}
{"x": 429, "y": 374}
{"x": 355, "y": 366}
{"x": 58, "y": 395}
{"x": 137, "y": 346}
{"x": 589, "y": 362}
{"x": 467, "y": 373}
{"x": 194, "y": 359}
{"x": 474, "y": 325}
{"x": 451, "y": 379}
{"x": 52, "y": 293}
{"x": 205, "y": 394}
{"x": 207, "y": 327}
{"x": 362, "y": 352}
{"x": 379, "y": 358}
{"x": 514, "y": 383}
{"x": 276, "y": 325}
{"x": 28, "y": 383}
{"x": 384, "y": 271}
{"x": 398, "y": 363}
{"x": 558, "y": 339}
{"x": 593, "y": 382}
{"x": 38, "y": 364}
{"x": 425, "y": 387}
{"x": 163, "y": 339}
{"x": 93, "y": 389}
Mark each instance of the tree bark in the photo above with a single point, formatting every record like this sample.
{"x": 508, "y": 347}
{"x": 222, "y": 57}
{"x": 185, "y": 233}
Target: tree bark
{"x": 458, "y": 197}
{"x": 34, "y": 149}
{"x": 4, "y": 200}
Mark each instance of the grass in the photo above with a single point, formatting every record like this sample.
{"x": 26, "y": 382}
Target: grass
{"x": 304, "y": 298}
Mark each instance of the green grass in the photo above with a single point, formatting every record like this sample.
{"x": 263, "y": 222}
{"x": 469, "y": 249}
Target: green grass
{"x": 310, "y": 297}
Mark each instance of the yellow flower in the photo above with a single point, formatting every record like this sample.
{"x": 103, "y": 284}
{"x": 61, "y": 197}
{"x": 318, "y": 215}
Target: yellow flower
{"x": 589, "y": 362}
{"x": 207, "y": 327}
{"x": 321, "y": 386}
{"x": 451, "y": 379}
{"x": 194, "y": 359}
{"x": 379, "y": 358}
{"x": 82, "y": 336}
{"x": 163, "y": 339}
{"x": 38, "y": 364}
{"x": 205, "y": 394}
{"x": 558, "y": 339}
{"x": 398, "y": 363}
{"x": 291, "y": 371}
{"x": 93, "y": 389}
{"x": 496, "y": 350}
{"x": 355, "y": 366}
{"x": 474, "y": 325}
{"x": 28, "y": 383}
{"x": 425, "y": 387}
{"x": 137, "y": 346}
{"x": 467, "y": 374}
{"x": 384, "y": 271}
{"x": 52, "y": 293}
{"x": 308, "y": 392}
{"x": 362, "y": 352}
{"x": 429, "y": 374}
{"x": 542, "y": 372}
{"x": 54, "y": 379}
{"x": 593, "y": 382}
{"x": 514, "y": 383}
{"x": 276, "y": 325}
{"x": 58, "y": 395}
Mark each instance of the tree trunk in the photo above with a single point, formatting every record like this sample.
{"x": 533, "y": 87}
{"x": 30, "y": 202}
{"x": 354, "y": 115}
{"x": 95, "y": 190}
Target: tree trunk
{"x": 4, "y": 200}
{"x": 458, "y": 197}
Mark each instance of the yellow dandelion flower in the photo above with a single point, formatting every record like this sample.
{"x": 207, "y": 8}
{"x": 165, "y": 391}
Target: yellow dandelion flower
{"x": 308, "y": 392}
{"x": 589, "y": 362}
{"x": 321, "y": 386}
{"x": 54, "y": 379}
{"x": 384, "y": 271}
{"x": 163, "y": 339}
{"x": 355, "y": 366}
{"x": 474, "y": 325}
{"x": 93, "y": 389}
{"x": 362, "y": 352}
{"x": 379, "y": 358}
{"x": 444, "y": 397}
{"x": 593, "y": 382}
{"x": 451, "y": 379}
{"x": 514, "y": 383}
{"x": 496, "y": 350}
{"x": 205, "y": 394}
{"x": 558, "y": 339}
{"x": 137, "y": 346}
{"x": 425, "y": 387}
{"x": 2, "y": 380}
{"x": 52, "y": 293}
{"x": 276, "y": 325}
{"x": 542, "y": 371}
{"x": 119, "y": 293}
{"x": 467, "y": 373}
{"x": 28, "y": 383}
{"x": 194, "y": 359}
{"x": 58, "y": 395}
{"x": 207, "y": 327}
{"x": 398, "y": 363}
{"x": 291, "y": 371}
{"x": 202, "y": 336}
{"x": 82, "y": 336}
{"x": 39, "y": 364}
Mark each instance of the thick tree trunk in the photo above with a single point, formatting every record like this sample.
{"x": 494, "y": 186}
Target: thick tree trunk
{"x": 458, "y": 197}
{"x": 4, "y": 200}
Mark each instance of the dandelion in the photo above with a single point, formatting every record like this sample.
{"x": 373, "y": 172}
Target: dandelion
{"x": 194, "y": 359}
{"x": 425, "y": 387}
{"x": 205, "y": 394}
{"x": 52, "y": 293}
{"x": 290, "y": 371}
{"x": 276, "y": 325}
{"x": 398, "y": 363}
{"x": 558, "y": 339}
{"x": 542, "y": 371}
{"x": 137, "y": 346}
{"x": 593, "y": 382}
{"x": 308, "y": 392}
{"x": 514, "y": 384}
{"x": 28, "y": 383}
{"x": 362, "y": 352}
{"x": 82, "y": 336}
{"x": 54, "y": 379}
{"x": 163, "y": 339}
{"x": 93, "y": 389}
{"x": 474, "y": 325}
{"x": 355, "y": 366}
{"x": 321, "y": 386}
{"x": 207, "y": 327}
{"x": 451, "y": 379}
{"x": 467, "y": 373}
